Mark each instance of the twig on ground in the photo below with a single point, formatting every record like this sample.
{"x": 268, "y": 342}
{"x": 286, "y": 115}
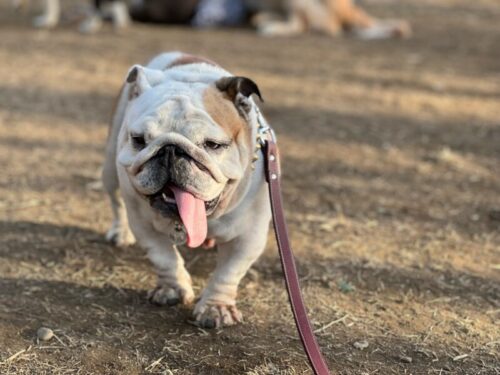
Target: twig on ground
{"x": 326, "y": 326}
{"x": 15, "y": 355}
{"x": 154, "y": 364}
{"x": 459, "y": 357}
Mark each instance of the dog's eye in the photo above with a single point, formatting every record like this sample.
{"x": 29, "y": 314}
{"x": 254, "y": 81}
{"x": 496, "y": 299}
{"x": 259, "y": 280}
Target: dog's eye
{"x": 138, "y": 141}
{"x": 211, "y": 145}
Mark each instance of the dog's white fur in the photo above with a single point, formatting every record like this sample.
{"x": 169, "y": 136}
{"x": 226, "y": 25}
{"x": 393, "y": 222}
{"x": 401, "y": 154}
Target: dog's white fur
{"x": 167, "y": 103}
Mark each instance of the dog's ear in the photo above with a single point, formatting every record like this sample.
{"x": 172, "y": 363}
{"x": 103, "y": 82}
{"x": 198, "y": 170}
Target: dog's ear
{"x": 142, "y": 79}
{"x": 239, "y": 90}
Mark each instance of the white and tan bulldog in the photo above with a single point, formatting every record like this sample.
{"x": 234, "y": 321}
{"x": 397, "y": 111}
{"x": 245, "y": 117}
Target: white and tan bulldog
{"x": 179, "y": 170}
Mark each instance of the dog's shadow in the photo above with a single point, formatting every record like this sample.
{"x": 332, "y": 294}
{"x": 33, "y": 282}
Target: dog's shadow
{"x": 46, "y": 243}
{"x": 39, "y": 288}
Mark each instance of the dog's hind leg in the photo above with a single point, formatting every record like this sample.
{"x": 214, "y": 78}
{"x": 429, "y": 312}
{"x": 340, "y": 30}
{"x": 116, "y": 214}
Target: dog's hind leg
{"x": 116, "y": 10}
{"x": 119, "y": 14}
{"x": 364, "y": 26}
{"x": 51, "y": 15}
{"x": 119, "y": 234}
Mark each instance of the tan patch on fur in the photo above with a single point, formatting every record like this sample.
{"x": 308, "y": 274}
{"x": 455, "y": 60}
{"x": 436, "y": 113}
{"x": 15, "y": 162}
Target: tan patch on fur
{"x": 346, "y": 14}
{"x": 224, "y": 113}
{"x": 189, "y": 59}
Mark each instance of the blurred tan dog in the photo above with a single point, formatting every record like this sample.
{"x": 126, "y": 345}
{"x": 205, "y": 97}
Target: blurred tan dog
{"x": 327, "y": 16}
{"x": 179, "y": 170}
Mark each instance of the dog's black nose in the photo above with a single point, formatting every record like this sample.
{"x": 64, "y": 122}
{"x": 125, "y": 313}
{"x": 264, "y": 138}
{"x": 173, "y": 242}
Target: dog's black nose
{"x": 170, "y": 152}
{"x": 179, "y": 152}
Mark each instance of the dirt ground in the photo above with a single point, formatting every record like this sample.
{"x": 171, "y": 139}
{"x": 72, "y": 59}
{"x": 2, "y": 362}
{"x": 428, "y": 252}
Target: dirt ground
{"x": 391, "y": 155}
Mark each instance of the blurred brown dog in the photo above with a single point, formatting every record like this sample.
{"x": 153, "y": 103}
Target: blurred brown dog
{"x": 326, "y": 16}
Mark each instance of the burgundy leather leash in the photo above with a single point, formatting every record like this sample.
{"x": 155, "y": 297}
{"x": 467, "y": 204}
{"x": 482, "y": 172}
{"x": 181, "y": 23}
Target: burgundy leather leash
{"x": 311, "y": 347}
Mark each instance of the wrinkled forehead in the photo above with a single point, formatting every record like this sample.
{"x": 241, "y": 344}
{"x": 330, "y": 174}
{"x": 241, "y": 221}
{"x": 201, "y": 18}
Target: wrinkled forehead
{"x": 185, "y": 108}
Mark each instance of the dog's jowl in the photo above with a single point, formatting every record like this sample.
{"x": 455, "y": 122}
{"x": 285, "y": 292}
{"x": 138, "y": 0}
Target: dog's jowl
{"x": 179, "y": 170}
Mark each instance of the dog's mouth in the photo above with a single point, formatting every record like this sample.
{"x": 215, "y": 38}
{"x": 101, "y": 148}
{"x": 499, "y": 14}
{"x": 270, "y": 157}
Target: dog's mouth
{"x": 165, "y": 199}
{"x": 172, "y": 202}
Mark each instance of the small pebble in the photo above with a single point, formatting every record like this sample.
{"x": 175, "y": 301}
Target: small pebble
{"x": 361, "y": 344}
{"x": 44, "y": 334}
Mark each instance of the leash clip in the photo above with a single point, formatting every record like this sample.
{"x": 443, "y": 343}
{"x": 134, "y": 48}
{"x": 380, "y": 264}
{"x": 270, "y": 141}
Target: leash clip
{"x": 263, "y": 129}
{"x": 265, "y": 135}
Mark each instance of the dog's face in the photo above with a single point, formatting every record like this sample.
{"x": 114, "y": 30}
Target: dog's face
{"x": 185, "y": 145}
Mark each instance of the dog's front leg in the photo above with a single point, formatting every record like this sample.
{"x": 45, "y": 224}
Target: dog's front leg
{"x": 17, "y": 4}
{"x": 50, "y": 17}
{"x": 174, "y": 282}
{"x": 217, "y": 305}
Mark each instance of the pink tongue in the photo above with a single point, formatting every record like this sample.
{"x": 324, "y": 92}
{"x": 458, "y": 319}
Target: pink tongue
{"x": 193, "y": 215}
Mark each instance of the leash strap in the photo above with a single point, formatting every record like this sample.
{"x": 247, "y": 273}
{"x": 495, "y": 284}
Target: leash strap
{"x": 311, "y": 347}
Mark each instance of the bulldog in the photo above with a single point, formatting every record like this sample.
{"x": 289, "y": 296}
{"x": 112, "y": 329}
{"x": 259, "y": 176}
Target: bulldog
{"x": 180, "y": 170}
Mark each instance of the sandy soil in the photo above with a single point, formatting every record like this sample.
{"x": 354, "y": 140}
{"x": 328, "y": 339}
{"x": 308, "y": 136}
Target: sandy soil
{"x": 391, "y": 181}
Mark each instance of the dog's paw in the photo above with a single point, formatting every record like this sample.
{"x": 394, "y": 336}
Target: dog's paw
{"x": 120, "y": 237}
{"x": 279, "y": 28}
{"x": 215, "y": 316}
{"x": 171, "y": 296}
{"x": 270, "y": 29}
{"x": 45, "y": 21}
{"x": 91, "y": 24}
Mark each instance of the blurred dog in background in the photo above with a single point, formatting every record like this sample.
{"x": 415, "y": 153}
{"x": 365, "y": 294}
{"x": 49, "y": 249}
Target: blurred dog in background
{"x": 119, "y": 12}
{"x": 270, "y": 17}
{"x": 292, "y": 17}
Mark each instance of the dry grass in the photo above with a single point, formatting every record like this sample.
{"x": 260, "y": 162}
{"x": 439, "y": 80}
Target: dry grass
{"x": 391, "y": 162}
